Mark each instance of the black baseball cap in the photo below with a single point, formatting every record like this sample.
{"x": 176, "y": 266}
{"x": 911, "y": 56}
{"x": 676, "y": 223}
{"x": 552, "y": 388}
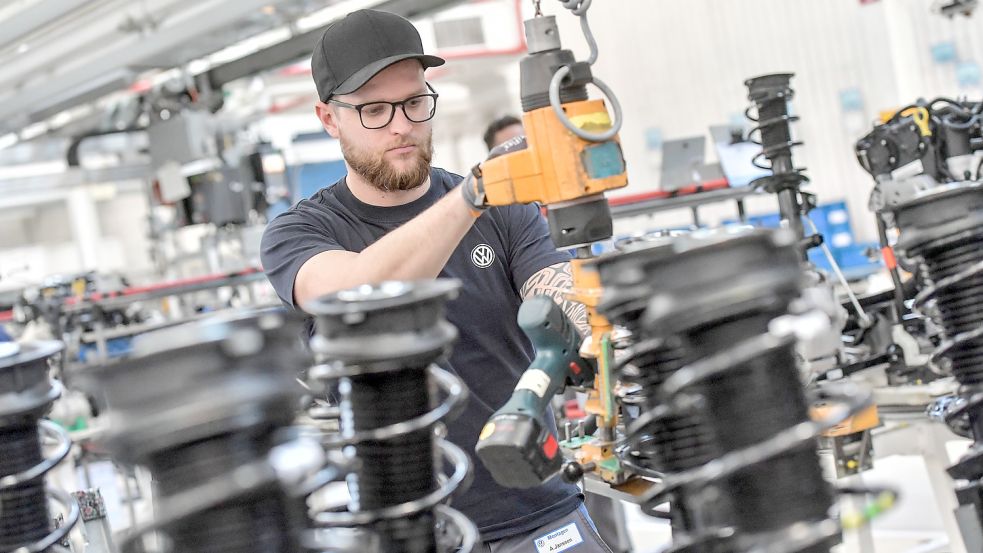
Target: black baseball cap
{"x": 356, "y": 47}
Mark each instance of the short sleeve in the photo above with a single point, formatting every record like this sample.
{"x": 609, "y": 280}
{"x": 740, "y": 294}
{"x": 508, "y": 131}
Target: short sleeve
{"x": 288, "y": 242}
{"x": 530, "y": 247}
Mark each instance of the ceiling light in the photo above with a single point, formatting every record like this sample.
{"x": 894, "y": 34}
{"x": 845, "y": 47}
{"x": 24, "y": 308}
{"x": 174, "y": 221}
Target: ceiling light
{"x": 332, "y": 12}
{"x": 8, "y": 140}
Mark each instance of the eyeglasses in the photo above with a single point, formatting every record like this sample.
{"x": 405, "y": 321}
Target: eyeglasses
{"x": 376, "y": 115}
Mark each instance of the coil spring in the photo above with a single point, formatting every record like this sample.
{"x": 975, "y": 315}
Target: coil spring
{"x": 381, "y": 344}
{"x": 954, "y": 281}
{"x": 941, "y": 229}
{"x": 770, "y": 94}
{"x": 204, "y": 407}
{"x": 26, "y": 392}
{"x": 672, "y": 443}
{"x": 761, "y": 485}
{"x": 645, "y": 366}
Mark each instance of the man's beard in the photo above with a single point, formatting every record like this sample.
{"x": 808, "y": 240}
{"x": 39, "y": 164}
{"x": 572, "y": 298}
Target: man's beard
{"x": 381, "y": 174}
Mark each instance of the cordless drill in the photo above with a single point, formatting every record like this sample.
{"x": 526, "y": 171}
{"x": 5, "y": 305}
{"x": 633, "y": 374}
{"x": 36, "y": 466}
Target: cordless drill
{"x": 516, "y": 444}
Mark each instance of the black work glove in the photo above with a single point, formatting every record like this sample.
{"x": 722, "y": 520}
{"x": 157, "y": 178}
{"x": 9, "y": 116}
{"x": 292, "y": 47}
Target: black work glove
{"x": 473, "y": 188}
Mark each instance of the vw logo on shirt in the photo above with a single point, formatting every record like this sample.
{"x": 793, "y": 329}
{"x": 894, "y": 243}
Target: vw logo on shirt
{"x": 482, "y": 256}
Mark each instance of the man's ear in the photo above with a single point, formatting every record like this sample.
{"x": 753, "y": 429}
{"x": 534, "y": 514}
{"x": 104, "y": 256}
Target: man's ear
{"x": 328, "y": 117}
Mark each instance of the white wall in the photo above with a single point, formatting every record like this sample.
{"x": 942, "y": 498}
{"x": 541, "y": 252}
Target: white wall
{"x": 43, "y": 239}
{"x": 680, "y": 65}
{"x": 125, "y": 233}
{"x": 37, "y": 242}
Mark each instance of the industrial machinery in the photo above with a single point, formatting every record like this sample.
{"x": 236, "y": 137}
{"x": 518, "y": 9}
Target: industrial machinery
{"x": 205, "y": 407}
{"x": 210, "y": 408}
{"x": 26, "y": 394}
{"x": 927, "y": 192}
{"x": 713, "y": 404}
{"x": 823, "y": 354}
{"x": 568, "y": 158}
{"x": 568, "y": 167}
{"x": 46, "y": 302}
{"x": 378, "y": 346}
{"x": 724, "y": 422}
{"x": 517, "y": 444}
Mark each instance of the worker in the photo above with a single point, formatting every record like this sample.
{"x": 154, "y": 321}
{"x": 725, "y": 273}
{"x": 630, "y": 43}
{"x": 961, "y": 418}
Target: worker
{"x": 501, "y": 130}
{"x": 395, "y": 217}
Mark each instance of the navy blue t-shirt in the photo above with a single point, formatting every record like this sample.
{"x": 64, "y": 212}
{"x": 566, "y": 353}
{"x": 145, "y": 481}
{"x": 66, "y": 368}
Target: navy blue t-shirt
{"x": 505, "y": 247}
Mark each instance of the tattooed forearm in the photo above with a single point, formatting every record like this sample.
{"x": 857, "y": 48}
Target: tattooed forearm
{"x": 555, "y": 281}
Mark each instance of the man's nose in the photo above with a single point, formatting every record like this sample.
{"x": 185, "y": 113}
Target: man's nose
{"x": 400, "y": 124}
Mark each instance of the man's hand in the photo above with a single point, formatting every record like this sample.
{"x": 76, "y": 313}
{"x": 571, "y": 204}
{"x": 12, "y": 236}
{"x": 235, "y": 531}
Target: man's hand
{"x": 473, "y": 187}
{"x": 473, "y": 190}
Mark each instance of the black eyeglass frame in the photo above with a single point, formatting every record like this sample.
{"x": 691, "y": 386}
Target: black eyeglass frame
{"x": 392, "y": 112}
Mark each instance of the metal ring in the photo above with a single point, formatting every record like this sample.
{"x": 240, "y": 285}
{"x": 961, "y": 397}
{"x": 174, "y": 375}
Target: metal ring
{"x": 770, "y": 122}
{"x": 930, "y": 292}
{"x": 64, "y": 447}
{"x": 55, "y": 432}
{"x": 316, "y": 540}
{"x": 578, "y": 7}
{"x": 243, "y": 480}
{"x": 623, "y": 451}
{"x": 71, "y": 519}
{"x": 469, "y": 532}
{"x": 554, "y": 92}
{"x": 462, "y": 473}
{"x": 639, "y": 348}
{"x": 657, "y": 413}
{"x": 853, "y": 397}
{"x": 723, "y": 361}
{"x": 956, "y": 340}
{"x": 217, "y": 491}
{"x": 457, "y": 395}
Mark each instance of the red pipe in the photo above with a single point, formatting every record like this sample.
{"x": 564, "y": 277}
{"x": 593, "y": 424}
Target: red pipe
{"x": 628, "y": 199}
{"x": 159, "y": 286}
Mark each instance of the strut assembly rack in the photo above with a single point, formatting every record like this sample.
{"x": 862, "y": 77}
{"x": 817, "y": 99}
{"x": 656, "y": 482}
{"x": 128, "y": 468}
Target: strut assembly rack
{"x": 205, "y": 407}
{"x": 724, "y": 417}
{"x": 942, "y": 230}
{"x": 379, "y": 345}
{"x": 26, "y": 394}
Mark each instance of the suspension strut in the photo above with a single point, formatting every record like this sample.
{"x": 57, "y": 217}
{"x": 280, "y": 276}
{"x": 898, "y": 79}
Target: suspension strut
{"x": 770, "y": 95}
{"x": 672, "y": 443}
{"x": 204, "y": 407}
{"x": 942, "y": 230}
{"x": 26, "y": 394}
{"x": 381, "y": 344}
{"x": 725, "y": 417}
